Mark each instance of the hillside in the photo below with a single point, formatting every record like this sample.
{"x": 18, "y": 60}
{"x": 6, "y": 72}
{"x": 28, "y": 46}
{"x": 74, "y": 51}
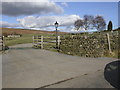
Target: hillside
{"x": 25, "y": 31}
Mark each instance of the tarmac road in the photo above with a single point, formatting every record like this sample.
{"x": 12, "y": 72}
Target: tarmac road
{"x": 35, "y": 68}
{"x": 93, "y": 80}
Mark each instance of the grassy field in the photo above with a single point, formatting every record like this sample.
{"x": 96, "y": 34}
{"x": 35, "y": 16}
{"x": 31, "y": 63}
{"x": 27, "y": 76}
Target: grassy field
{"x": 26, "y": 35}
{"x": 26, "y": 38}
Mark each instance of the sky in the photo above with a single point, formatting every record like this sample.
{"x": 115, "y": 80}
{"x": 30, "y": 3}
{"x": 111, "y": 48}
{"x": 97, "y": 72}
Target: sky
{"x": 43, "y": 15}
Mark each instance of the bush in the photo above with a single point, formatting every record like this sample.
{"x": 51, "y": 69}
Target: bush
{"x": 5, "y": 48}
{"x": 5, "y": 34}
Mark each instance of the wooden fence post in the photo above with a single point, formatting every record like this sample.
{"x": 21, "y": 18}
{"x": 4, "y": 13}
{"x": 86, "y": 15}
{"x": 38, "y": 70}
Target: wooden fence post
{"x": 33, "y": 39}
{"x": 41, "y": 42}
{"x": 58, "y": 41}
{"x": 3, "y": 42}
{"x": 109, "y": 46}
{"x": 37, "y": 38}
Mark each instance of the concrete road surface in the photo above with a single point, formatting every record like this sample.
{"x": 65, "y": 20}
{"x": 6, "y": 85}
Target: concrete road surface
{"x": 35, "y": 68}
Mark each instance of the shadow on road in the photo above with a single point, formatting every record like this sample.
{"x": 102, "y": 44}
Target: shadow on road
{"x": 21, "y": 48}
{"x": 111, "y": 73}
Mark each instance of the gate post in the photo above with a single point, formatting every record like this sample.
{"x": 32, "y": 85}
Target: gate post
{"x": 3, "y": 42}
{"x": 109, "y": 47}
{"x": 33, "y": 39}
{"x": 58, "y": 42}
{"x": 41, "y": 42}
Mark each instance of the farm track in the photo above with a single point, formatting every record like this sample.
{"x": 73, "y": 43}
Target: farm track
{"x": 35, "y": 68}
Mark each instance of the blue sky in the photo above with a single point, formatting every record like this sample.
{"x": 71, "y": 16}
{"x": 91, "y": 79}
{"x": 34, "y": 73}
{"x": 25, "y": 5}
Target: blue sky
{"x": 109, "y": 10}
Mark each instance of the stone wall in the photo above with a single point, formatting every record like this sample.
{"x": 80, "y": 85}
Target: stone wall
{"x": 89, "y": 45}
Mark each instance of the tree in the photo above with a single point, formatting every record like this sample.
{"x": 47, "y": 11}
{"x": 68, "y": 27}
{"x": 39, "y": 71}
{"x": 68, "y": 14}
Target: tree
{"x": 91, "y": 22}
{"x": 110, "y": 26}
{"x": 86, "y": 23}
{"x": 99, "y": 23}
{"x": 78, "y": 24}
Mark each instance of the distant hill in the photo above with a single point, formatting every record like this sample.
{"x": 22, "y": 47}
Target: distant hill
{"x": 26, "y": 31}
{"x": 118, "y": 29}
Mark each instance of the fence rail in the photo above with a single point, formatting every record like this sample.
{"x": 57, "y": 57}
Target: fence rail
{"x": 46, "y": 41}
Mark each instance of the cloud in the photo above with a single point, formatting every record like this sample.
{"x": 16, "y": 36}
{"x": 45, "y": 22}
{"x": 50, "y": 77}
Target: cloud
{"x": 47, "y": 21}
{"x": 30, "y": 8}
{"x": 6, "y": 24}
{"x": 64, "y": 4}
{"x": 62, "y": 29}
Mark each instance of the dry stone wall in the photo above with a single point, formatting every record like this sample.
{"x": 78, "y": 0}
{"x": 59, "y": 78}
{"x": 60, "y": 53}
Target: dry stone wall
{"x": 89, "y": 45}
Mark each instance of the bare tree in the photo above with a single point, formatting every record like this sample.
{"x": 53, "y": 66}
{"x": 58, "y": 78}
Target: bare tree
{"x": 78, "y": 24}
{"x": 88, "y": 21}
{"x": 91, "y": 22}
{"x": 99, "y": 23}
